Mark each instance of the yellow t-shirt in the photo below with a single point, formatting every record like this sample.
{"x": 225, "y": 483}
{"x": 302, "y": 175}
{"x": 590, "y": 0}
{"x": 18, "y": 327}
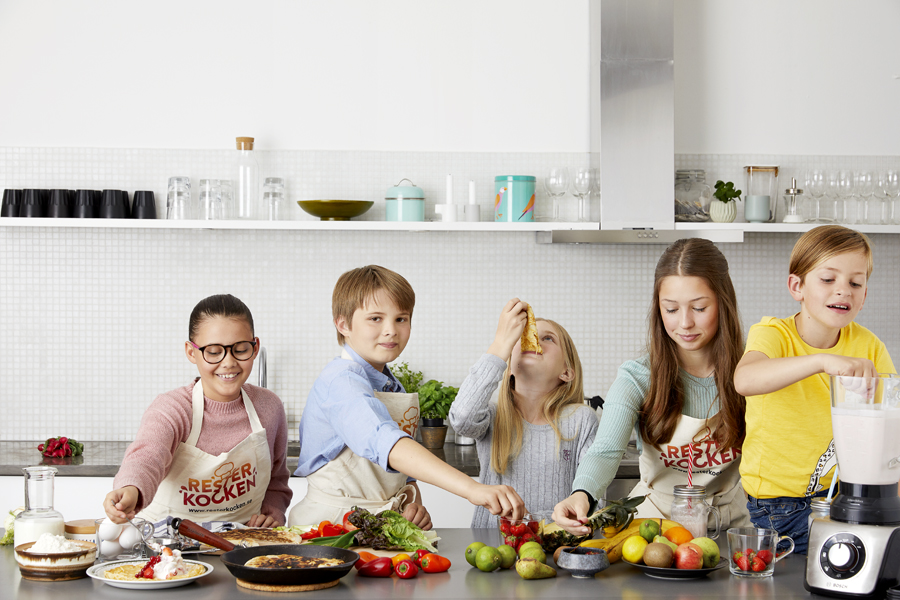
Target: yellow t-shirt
{"x": 789, "y": 448}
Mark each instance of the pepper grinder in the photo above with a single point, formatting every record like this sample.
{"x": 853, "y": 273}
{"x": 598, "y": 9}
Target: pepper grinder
{"x": 792, "y": 203}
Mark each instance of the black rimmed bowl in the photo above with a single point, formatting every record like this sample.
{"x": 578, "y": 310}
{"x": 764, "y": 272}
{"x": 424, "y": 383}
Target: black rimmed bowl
{"x": 583, "y": 562}
{"x": 335, "y": 210}
{"x": 236, "y": 560}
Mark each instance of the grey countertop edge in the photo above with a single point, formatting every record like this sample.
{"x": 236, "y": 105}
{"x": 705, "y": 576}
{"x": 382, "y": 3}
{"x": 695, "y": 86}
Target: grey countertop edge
{"x": 102, "y": 459}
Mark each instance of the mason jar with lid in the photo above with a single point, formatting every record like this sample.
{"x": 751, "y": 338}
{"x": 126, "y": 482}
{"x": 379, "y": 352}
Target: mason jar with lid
{"x": 820, "y": 508}
{"x": 692, "y": 196}
{"x": 689, "y": 508}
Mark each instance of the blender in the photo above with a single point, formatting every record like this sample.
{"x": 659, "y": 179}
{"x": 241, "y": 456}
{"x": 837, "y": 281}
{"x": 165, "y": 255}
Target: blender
{"x": 855, "y": 551}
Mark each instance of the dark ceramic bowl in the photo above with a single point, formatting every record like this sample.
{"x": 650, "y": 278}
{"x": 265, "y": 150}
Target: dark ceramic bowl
{"x": 335, "y": 210}
{"x": 583, "y": 562}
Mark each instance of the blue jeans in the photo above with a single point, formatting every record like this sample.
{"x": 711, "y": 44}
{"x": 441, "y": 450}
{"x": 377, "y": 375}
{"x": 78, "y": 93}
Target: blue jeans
{"x": 787, "y": 516}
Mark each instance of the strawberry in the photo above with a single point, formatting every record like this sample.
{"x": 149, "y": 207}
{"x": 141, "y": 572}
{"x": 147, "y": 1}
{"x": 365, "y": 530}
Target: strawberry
{"x": 519, "y": 529}
{"x": 737, "y": 555}
{"x": 511, "y": 540}
{"x": 528, "y": 536}
{"x": 742, "y": 563}
{"x": 758, "y": 564}
{"x": 504, "y": 527}
{"x": 765, "y": 556}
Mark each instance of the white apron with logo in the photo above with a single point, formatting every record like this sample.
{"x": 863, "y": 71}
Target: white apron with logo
{"x": 662, "y": 470}
{"x": 351, "y": 480}
{"x": 203, "y": 487}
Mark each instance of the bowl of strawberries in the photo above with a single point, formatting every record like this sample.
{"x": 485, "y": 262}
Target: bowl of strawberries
{"x": 528, "y": 529}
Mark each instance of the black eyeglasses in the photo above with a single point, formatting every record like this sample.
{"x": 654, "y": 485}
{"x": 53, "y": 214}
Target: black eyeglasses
{"x": 215, "y": 353}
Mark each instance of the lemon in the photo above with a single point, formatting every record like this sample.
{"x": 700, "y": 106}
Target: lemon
{"x": 633, "y": 549}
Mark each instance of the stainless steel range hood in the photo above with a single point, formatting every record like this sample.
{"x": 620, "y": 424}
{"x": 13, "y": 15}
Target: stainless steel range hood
{"x": 632, "y": 64}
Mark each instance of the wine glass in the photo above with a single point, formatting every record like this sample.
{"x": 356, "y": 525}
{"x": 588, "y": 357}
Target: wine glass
{"x": 865, "y": 187}
{"x": 846, "y": 183}
{"x": 582, "y": 184}
{"x": 816, "y": 184}
{"x": 881, "y": 201}
{"x": 556, "y": 183}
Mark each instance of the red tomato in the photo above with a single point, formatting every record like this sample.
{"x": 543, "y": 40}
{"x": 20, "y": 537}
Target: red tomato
{"x": 347, "y": 525}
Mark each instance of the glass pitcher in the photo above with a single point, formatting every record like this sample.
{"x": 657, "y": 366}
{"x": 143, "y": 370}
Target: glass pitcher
{"x": 691, "y": 510}
{"x": 39, "y": 516}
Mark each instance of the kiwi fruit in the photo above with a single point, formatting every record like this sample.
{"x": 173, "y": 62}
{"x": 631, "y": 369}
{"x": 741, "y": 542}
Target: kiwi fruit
{"x": 658, "y": 555}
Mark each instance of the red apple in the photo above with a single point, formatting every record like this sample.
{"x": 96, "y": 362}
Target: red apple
{"x": 688, "y": 556}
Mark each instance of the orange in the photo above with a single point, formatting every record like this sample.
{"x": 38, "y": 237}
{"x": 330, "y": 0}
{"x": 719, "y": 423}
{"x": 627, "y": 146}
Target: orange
{"x": 678, "y": 535}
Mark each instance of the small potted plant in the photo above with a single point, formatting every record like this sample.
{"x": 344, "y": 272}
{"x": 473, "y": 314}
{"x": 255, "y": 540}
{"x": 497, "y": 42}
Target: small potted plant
{"x": 435, "y": 399}
{"x": 723, "y": 209}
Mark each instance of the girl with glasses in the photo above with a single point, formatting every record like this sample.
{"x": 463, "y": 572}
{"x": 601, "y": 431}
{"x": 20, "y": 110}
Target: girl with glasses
{"x": 215, "y": 449}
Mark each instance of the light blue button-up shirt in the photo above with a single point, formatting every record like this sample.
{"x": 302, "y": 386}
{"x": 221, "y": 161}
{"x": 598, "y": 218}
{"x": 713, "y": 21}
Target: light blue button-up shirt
{"x": 342, "y": 411}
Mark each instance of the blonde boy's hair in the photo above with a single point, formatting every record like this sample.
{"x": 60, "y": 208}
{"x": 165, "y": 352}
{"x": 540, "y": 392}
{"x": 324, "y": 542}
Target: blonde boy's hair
{"x": 508, "y": 430}
{"x": 355, "y": 288}
{"x": 818, "y": 245}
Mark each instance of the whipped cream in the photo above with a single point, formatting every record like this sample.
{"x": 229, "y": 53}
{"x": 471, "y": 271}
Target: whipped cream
{"x": 169, "y": 565}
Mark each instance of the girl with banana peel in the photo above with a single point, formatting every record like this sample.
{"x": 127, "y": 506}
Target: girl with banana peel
{"x": 679, "y": 397}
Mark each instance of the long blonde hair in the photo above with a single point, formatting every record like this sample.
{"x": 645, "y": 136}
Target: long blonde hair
{"x": 508, "y": 430}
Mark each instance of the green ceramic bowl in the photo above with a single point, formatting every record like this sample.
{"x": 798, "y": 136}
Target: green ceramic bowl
{"x": 335, "y": 210}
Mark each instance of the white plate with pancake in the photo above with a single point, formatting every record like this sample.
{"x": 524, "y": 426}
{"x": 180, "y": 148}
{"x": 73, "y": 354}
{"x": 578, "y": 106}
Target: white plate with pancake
{"x": 98, "y": 572}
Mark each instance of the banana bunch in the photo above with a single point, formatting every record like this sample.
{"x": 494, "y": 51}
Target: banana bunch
{"x": 613, "y": 545}
{"x": 611, "y": 519}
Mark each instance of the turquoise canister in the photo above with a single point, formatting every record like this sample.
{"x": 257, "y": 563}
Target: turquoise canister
{"x": 514, "y": 198}
{"x": 405, "y": 202}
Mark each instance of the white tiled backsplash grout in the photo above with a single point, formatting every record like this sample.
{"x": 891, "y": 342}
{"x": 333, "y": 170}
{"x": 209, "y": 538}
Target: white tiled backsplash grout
{"x": 93, "y": 321}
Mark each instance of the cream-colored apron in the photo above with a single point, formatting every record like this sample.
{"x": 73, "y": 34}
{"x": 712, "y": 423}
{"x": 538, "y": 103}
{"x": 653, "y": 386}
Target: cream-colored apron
{"x": 203, "y": 487}
{"x": 718, "y": 470}
{"x": 351, "y": 480}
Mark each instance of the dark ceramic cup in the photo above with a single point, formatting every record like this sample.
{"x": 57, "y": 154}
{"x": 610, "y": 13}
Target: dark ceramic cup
{"x": 12, "y": 200}
{"x": 144, "y": 206}
{"x": 112, "y": 205}
{"x": 59, "y": 206}
{"x": 32, "y": 204}
{"x": 84, "y": 207}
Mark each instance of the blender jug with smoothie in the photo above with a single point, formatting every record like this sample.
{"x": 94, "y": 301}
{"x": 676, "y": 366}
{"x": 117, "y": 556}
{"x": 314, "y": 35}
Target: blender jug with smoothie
{"x": 855, "y": 551}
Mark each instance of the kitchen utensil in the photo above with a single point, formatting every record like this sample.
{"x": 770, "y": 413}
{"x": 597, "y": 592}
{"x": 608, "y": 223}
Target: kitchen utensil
{"x": 197, "y": 532}
{"x": 792, "y": 208}
{"x": 59, "y": 204}
{"x": 31, "y": 204}
{"x": 235, "y": 561}
{"x": 59, "y": 566}
{"x": 404, "y": 202}
{"x": 144, "y": 206}
{"x": 121, "y": 541}
{"x": 12, "y": 200}
{"x": 335, "y": 210}
{"x": 583, "y": 563}
{"x": 515, "y": 196}
{"x": 97, "y": 572}
{"x": 760, "y": 189}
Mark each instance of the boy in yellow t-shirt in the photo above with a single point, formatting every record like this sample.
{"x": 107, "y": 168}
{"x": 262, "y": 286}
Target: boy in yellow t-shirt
{"x": 788, "y": 455}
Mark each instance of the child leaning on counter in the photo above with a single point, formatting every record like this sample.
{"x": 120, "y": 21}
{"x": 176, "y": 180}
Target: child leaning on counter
{"x": 214, "y": 449}
{"x": 789, "y": 451}
{"x": 535, "y": 434}
{"x": 356, "y": 432}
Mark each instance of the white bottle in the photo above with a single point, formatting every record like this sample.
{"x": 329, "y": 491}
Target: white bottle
{"x": 246, "y": 180}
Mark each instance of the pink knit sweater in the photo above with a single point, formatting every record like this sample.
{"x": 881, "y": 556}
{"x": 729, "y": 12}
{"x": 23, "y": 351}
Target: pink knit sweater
{"x": 167, "y": 422}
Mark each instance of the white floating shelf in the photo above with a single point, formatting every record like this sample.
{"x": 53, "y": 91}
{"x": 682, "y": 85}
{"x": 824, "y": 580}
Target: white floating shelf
{"x": 783, "y": 227}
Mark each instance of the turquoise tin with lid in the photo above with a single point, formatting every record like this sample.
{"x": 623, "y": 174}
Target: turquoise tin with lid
{"x": 514, "y": 198}
{"x": 405, "y": 202}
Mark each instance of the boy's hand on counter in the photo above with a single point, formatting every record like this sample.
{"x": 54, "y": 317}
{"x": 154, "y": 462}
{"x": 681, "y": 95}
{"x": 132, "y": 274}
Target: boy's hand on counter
{"x": 417, "y": 515}
{"x": 571, "y": 514}
{"x": 509, "y": 329}
{"x": 120, "y": 504}
{"x": 263, "y": 521}
{"x": 499, "y": 500}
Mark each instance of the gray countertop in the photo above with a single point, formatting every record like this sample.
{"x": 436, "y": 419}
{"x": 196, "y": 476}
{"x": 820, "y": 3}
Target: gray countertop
{"x": 461, "y": 581}
{"x": 102, "y": 459}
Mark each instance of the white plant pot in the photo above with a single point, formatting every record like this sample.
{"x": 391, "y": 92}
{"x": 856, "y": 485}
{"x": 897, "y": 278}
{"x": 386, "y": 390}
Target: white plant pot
{"x": 722, "y": 212}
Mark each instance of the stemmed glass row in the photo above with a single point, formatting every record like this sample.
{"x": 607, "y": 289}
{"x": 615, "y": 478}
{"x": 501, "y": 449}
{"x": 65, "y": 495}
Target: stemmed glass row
{"x": 584, "y": 182}
{"x": 847, "y": 196}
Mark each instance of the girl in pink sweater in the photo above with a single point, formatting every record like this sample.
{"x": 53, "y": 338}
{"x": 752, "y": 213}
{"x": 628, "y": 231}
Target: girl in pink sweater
{"x": 214, "y": 450}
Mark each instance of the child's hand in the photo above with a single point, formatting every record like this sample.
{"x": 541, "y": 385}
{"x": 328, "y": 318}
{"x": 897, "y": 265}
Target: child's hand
{"x": 509, "y": 329}
{"x": 417, "y": 515}
{"x": 263, "y": 521}
{"x": 120, "y": 504}
{"x": 499, "y": 500}
{"x": 571, "y": 514}
{"x": 848, "y": 366}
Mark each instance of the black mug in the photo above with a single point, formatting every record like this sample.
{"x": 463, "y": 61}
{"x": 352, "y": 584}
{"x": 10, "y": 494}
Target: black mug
{"x": 32, "y": 204}
{"x": 12, "y": 200}
{"x": 112, "y": 205}
{"x": 59, "y": 206}
{"x": 144, "y": 206}
{"x": 84, "y": 207}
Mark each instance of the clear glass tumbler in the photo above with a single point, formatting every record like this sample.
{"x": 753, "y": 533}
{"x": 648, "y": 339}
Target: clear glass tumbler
{"x": 273, "y": 198}
{"x": 211, "y": 207}
{"x": 178, "y": 198}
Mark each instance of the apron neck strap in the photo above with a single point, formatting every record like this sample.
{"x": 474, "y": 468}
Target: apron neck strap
{"x": 197, "y": 406}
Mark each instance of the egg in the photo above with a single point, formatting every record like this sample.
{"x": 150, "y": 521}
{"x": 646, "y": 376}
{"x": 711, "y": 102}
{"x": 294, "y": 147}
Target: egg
{"x": 110, "y": 549}
{"x": 109, "y": 530}
{"x": 130, "y": 537}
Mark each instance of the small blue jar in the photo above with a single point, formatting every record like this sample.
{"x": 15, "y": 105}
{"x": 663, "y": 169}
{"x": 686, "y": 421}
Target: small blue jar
{"x": 405, "y": 202}
{"x": 514, "y": 198}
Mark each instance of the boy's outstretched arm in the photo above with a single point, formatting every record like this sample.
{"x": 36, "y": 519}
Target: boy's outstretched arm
{"x": 758, "y": 374}
{"x": 411, "y": 458}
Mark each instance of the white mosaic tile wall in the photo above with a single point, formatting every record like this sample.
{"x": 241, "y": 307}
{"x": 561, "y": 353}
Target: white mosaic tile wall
{"x": 93, "y": 321}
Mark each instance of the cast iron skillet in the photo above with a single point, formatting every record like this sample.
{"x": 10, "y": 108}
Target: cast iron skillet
{"x": 235, "y": 557}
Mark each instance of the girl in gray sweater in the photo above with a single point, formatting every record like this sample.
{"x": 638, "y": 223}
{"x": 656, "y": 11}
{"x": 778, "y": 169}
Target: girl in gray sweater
{"x": 533, "y": 437}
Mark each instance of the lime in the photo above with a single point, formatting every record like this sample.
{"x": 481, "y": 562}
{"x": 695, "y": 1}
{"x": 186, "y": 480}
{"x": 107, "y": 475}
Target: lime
{"x": 472, "y": 550}
{"x": 633, "y": 549}
{"x": 507, "y": 556}
{"x": 488, "y": 559}
{"x": 529, "y": 545}
{"x": 649, "y": 529}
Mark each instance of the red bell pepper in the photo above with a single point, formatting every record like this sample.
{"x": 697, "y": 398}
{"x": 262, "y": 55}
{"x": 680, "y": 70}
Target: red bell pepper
{"x": 364, "y": 557}
{"x": 346, "y": 524}
{"x": 380, "y": 567}
{"x": 330, "y": 530}
{"x": 406, "y": 569}
{"x": 435, "y": 563}
{"x": 417, "y": 557}
{"x": 311, "y": 534}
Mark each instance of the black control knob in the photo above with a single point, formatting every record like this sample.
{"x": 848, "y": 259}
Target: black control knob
{"x": 842, "y": 556}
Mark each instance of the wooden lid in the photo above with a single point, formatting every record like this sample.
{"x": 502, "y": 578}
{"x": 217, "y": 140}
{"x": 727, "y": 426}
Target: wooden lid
{"x": 244, "y": 143}
{"x": 81, "y": 526}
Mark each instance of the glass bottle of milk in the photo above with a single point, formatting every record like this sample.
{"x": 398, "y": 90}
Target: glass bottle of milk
{"x": 39, "y": 516}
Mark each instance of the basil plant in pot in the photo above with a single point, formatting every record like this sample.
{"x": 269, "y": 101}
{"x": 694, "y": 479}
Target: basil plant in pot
{"x": 435, "y": 399}
{"x": 723, "y": 209}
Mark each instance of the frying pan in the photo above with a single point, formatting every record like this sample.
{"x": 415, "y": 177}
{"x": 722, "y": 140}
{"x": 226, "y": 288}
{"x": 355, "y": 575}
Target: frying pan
{"x": 236, "y": 557}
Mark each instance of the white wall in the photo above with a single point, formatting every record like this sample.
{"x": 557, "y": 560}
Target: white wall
{"x": 504, "y": 75}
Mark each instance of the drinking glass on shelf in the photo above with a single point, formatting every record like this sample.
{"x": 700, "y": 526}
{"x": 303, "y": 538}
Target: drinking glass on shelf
{"x": 892, "y": 191}
{"x": 556, "y": 183}
{"x": 846, "y": 183}
{"x": 881, "y": 202}
{"x": 582, "y": 184}
{"x": 865, "y": 187}
{"x": 816, "y": 185}
{"x": 832, "y": 205}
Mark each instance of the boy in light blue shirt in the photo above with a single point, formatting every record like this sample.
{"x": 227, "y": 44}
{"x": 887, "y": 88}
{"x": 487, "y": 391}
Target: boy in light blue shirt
{"x": 357, "y": 430}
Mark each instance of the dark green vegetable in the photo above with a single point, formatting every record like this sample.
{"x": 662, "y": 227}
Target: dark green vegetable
{"x": 435, "y": 399}
{"x": 387, "y": 530}
{"x": 409, "y": 379}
